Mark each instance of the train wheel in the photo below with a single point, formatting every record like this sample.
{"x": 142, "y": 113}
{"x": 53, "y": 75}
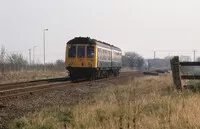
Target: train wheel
{"x": 73, "y": 78}
{"x": 115, "y": 73}
{"x": 107, "y": 74}
{"x": 92, "y": 76}
{"x": 101, "y": 74}
{"x": 96, "y": 75}
{"x": 89, "y": 78}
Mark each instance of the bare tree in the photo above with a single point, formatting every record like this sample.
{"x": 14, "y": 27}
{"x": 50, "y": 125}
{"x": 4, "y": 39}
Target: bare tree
{"x": 2, "y": 59}
{"x": 185, "y": 58}
{"x": 17, "y": 61}
{"x": 60, "y": 64}
{"x": 168, "y": 57}
{"x": 132, "y": 59}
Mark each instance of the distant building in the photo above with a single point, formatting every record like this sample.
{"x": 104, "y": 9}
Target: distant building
{"x": 158, "y": 63}
{"x": 146, "y": 64}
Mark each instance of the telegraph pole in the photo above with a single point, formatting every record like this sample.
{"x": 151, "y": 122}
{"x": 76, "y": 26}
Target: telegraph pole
{"x": 194, "y": 51}
{"x": 29, "y": 55}
{"x": 154, "y": 54}
{"x": 44, "y": 45}
{"x": 34, "y": 54}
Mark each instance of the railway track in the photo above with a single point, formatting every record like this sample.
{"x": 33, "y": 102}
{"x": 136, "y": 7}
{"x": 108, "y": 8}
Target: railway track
{"x": 30, "y": 83}
{"x": 14, "y": 104}
{"x": 11, "y": 90}
{"x": 14, "y": 90}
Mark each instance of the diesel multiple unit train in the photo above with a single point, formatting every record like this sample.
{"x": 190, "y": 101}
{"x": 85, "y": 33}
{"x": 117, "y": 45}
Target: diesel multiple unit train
{"x": 92, "y": 59}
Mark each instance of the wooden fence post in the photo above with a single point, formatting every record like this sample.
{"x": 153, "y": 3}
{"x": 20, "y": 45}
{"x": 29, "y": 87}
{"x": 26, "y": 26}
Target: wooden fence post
{"x": 175, "y": 66}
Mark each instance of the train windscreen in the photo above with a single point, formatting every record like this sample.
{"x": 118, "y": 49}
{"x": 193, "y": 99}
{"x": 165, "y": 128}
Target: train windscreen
{"x": 72, "y": 51}
{"x": 90, "y": 51}
{"x": 81, "y": 51}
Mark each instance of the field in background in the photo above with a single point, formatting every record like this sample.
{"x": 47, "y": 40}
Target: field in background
{"x": 147, "y": 102}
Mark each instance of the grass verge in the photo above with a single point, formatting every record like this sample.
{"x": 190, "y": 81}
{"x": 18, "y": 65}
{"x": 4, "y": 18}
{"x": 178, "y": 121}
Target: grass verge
{"x": 147, "y": 102}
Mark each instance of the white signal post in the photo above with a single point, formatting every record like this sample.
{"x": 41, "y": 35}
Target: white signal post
{"x": 44, "y": 44}
{"x": 34, "y": 54}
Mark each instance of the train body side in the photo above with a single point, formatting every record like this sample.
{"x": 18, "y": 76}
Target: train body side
{"x": 108, "y": 57}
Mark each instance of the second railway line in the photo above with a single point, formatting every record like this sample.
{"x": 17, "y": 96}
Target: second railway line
{"x": 28, "y": 88}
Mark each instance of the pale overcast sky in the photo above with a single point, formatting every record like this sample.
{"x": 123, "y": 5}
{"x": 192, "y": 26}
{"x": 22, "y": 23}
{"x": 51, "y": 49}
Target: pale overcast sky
{"x": 133, "y": 25}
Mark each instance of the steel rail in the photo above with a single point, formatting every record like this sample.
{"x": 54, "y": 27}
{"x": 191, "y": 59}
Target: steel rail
{"x": 7, "y": 86}
{"x": 16, "y": 92}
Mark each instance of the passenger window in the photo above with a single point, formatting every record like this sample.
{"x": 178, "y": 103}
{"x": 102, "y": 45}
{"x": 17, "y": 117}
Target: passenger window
{"x": 81, "y": 51}
{"x": 72, "y": 51}
{"x": 90, "y": 51}
{"x": 100, "y": 53}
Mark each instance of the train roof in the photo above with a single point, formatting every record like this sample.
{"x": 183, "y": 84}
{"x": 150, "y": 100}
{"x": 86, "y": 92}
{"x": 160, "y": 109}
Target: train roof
{"x": 88, "y": 40}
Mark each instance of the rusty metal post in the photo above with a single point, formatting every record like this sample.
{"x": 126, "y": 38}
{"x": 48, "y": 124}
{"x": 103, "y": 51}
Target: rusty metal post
{"x": 175, "y": 66}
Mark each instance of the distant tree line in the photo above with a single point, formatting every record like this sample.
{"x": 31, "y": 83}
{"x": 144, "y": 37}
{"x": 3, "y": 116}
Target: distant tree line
{"x": 132, "y": 60}
{"x": 16, "y": 62}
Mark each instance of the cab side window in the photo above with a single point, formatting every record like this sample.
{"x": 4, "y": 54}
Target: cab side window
{"x": 90, "y": 51}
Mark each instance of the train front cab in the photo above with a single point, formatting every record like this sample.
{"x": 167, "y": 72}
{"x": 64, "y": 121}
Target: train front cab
{"x": 81, "y": 60}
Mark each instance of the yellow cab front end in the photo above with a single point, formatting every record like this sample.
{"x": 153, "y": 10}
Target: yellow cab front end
{"x": 81, "y": 56}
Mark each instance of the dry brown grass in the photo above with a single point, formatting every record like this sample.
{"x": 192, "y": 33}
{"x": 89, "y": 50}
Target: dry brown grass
{"x": 145, "y": 103}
